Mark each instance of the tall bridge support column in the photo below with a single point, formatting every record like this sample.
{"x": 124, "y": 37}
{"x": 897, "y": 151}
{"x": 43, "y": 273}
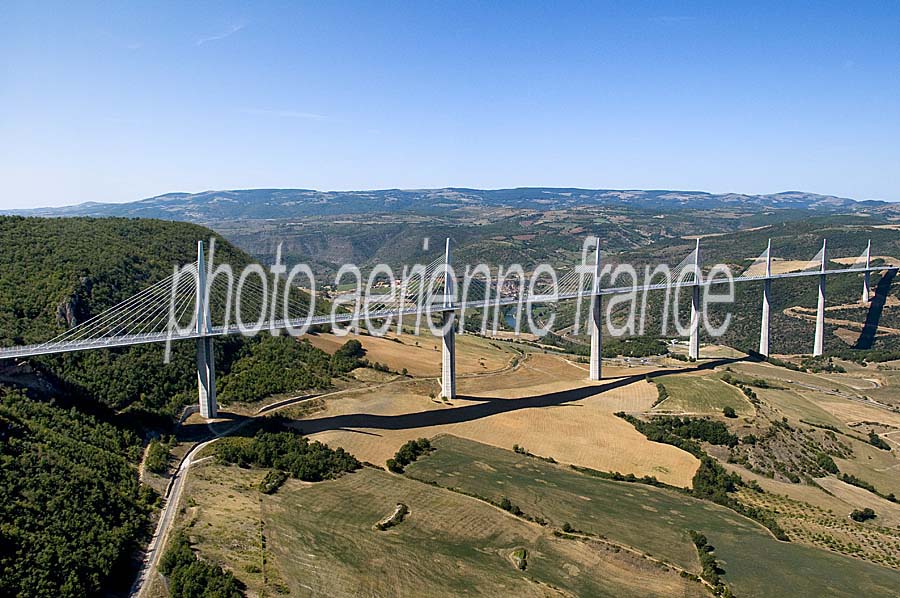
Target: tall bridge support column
{"x": 866, "y": 289}
{"x": 694, "y": 344}
{"x": 206, "y": 378}
{"x": 206, "y": 362}
{"x": 448, "y": 341}
{"x": 596, "y": 321}
{"x": 448, "y": 356}
{"x": 766, "y": 305}
{"x": 819, "y": 345}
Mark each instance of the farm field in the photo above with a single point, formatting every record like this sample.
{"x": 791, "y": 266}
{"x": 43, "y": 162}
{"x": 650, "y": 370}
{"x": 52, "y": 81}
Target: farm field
{"x": 815, "y": 511}
{"x": 701, "y": 394}
{"x": 320, "y": 541}
{"x": 779, "y": 266}
{"x": 654, "y": 521}
{"x": 876, "y": 541}
{"x": 544, "y": 403}
{"x": 794, "y": 404}
{"x": 421, "y": 355}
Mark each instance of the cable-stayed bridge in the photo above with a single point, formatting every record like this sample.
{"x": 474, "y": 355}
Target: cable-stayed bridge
{"x": 201, "y": 302}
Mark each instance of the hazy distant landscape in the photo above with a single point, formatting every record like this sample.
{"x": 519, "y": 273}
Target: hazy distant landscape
{"x": 210, "y": 206}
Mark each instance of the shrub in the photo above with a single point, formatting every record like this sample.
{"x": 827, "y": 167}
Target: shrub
{"x": 157, "y": 459}
{"x": 190, "y": 577}
{"x": 728, "y": 411}
{"x": 661, "y": 394}
{"x": 273, "y": 481}
{"x": 825, "y": 461}
{"x": 862, "y": 515}
{"x": 711, "y": 481}
{"x": 409, "y": 452}
{"x": 878, "y": 442}
{"x": 711, "y": 569}
{"x": 507, "y": 505}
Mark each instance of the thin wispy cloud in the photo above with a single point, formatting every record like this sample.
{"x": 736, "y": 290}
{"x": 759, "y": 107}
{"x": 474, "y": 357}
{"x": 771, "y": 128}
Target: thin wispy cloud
{"x": 287, "y": 114}
{"x": 214, "y": 38}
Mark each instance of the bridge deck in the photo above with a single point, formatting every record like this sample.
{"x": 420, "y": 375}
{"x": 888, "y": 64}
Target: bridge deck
{"x": 159, "y": 337}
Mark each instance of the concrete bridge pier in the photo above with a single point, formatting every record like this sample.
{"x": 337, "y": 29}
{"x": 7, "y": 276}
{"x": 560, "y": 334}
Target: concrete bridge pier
{"x": 448, "y": 340}
{"x": 766, "y": 304}
{"x": 206, "y": 362}
{"x": 819, "y": 345}
{"x": 596, "y": 321}
{"x": 206, "y": 378}
{"x": 448, "y": 356}
{"x": 866, "y": 289}
{"x": 694, "y": 344}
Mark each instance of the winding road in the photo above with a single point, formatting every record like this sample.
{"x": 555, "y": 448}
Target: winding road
{"x": 176, "y": 485}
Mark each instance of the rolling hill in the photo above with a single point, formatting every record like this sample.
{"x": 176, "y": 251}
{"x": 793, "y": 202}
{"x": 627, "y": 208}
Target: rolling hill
{"x": 210, "y": 206}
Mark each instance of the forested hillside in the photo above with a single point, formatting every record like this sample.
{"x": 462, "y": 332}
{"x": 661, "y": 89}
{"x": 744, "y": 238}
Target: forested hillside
{"x": 71, "y": 509}
{"x": 797, "y": 242}
{"x": 72, "y": 512}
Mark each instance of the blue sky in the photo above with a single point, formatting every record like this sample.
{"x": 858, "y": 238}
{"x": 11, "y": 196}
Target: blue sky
{"x": 117, "y": 101}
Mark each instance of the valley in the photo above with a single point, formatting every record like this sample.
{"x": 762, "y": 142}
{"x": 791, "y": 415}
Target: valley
{"x": 539, "y": 482}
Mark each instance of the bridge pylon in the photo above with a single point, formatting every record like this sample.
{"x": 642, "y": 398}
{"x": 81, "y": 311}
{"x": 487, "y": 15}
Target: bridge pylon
{"x": 448, "y": 340}
{"x": 694, "y": 343}
{"x": 596, "y": 321}
{"x": 819, "y": 344}
{"x": 866, "y": 281}
{"x": 206, "y": 363}
{"x": 766, "y": 304}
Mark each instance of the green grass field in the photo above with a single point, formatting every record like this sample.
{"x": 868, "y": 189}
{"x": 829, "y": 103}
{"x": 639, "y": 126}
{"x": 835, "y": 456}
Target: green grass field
{"x": 653, "y": 520}
{"x": 796, "y": 406}
{"x": 319, "y": 540}
{"x": 701, "y": 394}
{"x": 323, "y": 539}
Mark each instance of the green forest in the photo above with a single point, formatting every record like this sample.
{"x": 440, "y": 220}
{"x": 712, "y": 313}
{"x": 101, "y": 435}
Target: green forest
{"x": 72, "y": 426}
{"x": 71, "y": 507}
{"x": 287, "y": 451}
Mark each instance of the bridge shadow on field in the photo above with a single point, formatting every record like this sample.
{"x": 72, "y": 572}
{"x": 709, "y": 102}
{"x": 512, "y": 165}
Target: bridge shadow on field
{"x": 486, "y": 406}
{"x": 867, "y": 336}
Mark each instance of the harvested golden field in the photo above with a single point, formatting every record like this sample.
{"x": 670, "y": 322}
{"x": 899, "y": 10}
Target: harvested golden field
{"x": 421, "y": 355}
{"x": 888, "y": 260}
{"x": 852, "y": 411}
{"x": 779, "y": 266}
{"x": 545, "y": 404}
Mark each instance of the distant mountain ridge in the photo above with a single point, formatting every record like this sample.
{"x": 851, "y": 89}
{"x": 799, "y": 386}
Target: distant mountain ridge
{"x": 210, "y": 206}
